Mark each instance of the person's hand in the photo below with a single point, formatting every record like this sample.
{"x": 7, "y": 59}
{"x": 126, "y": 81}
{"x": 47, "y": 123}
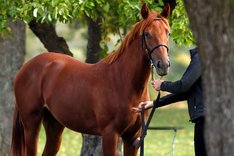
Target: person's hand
{"x": 145, "y": 105}
{"x": 157, "y": 84}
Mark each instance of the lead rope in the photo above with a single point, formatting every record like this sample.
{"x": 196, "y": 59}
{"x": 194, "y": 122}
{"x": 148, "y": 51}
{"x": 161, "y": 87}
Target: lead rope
{"x": 152, "y": 71}
{"x": 146, "y": 125}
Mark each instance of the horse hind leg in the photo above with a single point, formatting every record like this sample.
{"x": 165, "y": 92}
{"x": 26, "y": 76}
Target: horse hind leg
{"x": 25, "y": 132}
{"x": 54, "y": 132}
{"x": 31, "y": 123}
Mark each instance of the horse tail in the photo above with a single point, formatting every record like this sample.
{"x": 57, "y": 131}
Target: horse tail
{"x": 18, "y": 141}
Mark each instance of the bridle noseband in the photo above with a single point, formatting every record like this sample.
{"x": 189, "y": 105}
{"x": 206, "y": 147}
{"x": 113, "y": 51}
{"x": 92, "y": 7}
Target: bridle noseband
{"x": 150, "y": 51}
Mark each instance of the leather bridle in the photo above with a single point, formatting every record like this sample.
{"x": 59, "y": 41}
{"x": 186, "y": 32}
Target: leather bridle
{"x": 147, "y": 49}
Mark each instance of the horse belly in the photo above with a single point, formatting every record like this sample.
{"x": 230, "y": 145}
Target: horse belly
{"x": 73, "y": 110}
{"x": 82, "y": 125}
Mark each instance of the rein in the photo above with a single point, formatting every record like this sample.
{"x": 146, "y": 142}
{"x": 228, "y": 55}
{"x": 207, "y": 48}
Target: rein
{"x": 146, "y": 125}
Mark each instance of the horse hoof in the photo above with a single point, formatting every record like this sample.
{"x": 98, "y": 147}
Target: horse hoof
{"x": 136, "y": 142}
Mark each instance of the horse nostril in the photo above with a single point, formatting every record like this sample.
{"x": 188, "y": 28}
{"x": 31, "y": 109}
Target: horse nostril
{"x": 158, "y": 64}
{"x": 169, "y": 63}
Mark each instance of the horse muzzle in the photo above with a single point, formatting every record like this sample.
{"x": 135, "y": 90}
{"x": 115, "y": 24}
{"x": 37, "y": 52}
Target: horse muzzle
{"x": 162, "y": 67}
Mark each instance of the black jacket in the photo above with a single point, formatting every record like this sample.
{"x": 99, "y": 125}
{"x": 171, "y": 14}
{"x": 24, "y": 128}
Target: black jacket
{"x": 189, "y": 88}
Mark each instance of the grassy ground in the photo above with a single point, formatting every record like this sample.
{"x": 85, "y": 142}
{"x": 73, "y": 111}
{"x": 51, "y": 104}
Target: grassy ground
{"x": 160, "y": 142}
{"x": 157, "y": 142}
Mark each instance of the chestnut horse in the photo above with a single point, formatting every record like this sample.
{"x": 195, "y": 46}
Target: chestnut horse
{"x": 59, "y": 91}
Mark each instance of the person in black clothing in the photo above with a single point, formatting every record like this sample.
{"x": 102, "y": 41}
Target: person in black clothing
{"x": 189, "y": 88}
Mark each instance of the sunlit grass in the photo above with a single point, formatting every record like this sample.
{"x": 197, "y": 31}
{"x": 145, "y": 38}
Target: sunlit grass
{"x": 157, "y": 143}
{"x": 71, "y": 143}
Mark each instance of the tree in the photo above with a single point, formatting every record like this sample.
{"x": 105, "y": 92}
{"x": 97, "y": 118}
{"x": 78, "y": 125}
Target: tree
{"x": 94, "y": 38}
{"x": 48, "y": 36}
{"x": 12, "y": 51}
{"x": 212, "y": 22}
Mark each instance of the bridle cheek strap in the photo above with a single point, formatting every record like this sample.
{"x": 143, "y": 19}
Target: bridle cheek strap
{"x": 150, "y": 51}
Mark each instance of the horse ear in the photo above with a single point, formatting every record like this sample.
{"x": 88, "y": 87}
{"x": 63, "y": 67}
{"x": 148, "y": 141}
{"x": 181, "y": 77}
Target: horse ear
{"x": 144, "y": 11}
{"x": 166, "y": 11}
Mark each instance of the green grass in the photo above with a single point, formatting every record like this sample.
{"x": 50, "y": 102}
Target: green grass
{"x": 160, "y": 142}
{"x": 157, "y": 143}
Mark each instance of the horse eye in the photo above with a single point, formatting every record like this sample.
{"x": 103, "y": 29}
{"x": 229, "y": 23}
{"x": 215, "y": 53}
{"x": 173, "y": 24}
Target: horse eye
{"x": 168, "y": 34}
{"x": 147, "y": 34}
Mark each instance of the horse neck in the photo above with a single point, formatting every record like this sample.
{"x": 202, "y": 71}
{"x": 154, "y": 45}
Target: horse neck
{"x": 135, "y": 67}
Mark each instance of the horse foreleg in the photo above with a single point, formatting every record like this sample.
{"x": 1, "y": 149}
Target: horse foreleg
{"x": 54, "y": 132}
{"x": 128, "y": 139}
{"x": 110, "y": 142}
{"x": 129, "y": 149}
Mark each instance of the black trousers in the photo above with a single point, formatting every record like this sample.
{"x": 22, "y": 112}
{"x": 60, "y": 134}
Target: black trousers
{"x": 199, "y": 143}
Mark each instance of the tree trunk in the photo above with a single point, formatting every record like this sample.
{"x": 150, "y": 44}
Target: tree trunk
{"x": 48, "y": 36}
{"x": 12, "y": 52}
{"x": 212, "y": 22}
{"x": 92, "y": 145}
{"x": 94, "y": 39}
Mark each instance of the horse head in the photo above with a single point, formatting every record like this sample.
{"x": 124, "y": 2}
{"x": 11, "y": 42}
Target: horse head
{"x": 155, "y": 38}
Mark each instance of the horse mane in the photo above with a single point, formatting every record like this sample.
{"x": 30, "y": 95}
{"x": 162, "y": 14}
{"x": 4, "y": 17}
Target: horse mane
{"x": 136, "y": 31}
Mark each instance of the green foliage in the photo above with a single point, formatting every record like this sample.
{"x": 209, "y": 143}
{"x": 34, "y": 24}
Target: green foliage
{"x": 181, "y": 32}
{"x": 7, "y": 10}
{"x": 49, "y": 11}
{"x": 117, "y": 16}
